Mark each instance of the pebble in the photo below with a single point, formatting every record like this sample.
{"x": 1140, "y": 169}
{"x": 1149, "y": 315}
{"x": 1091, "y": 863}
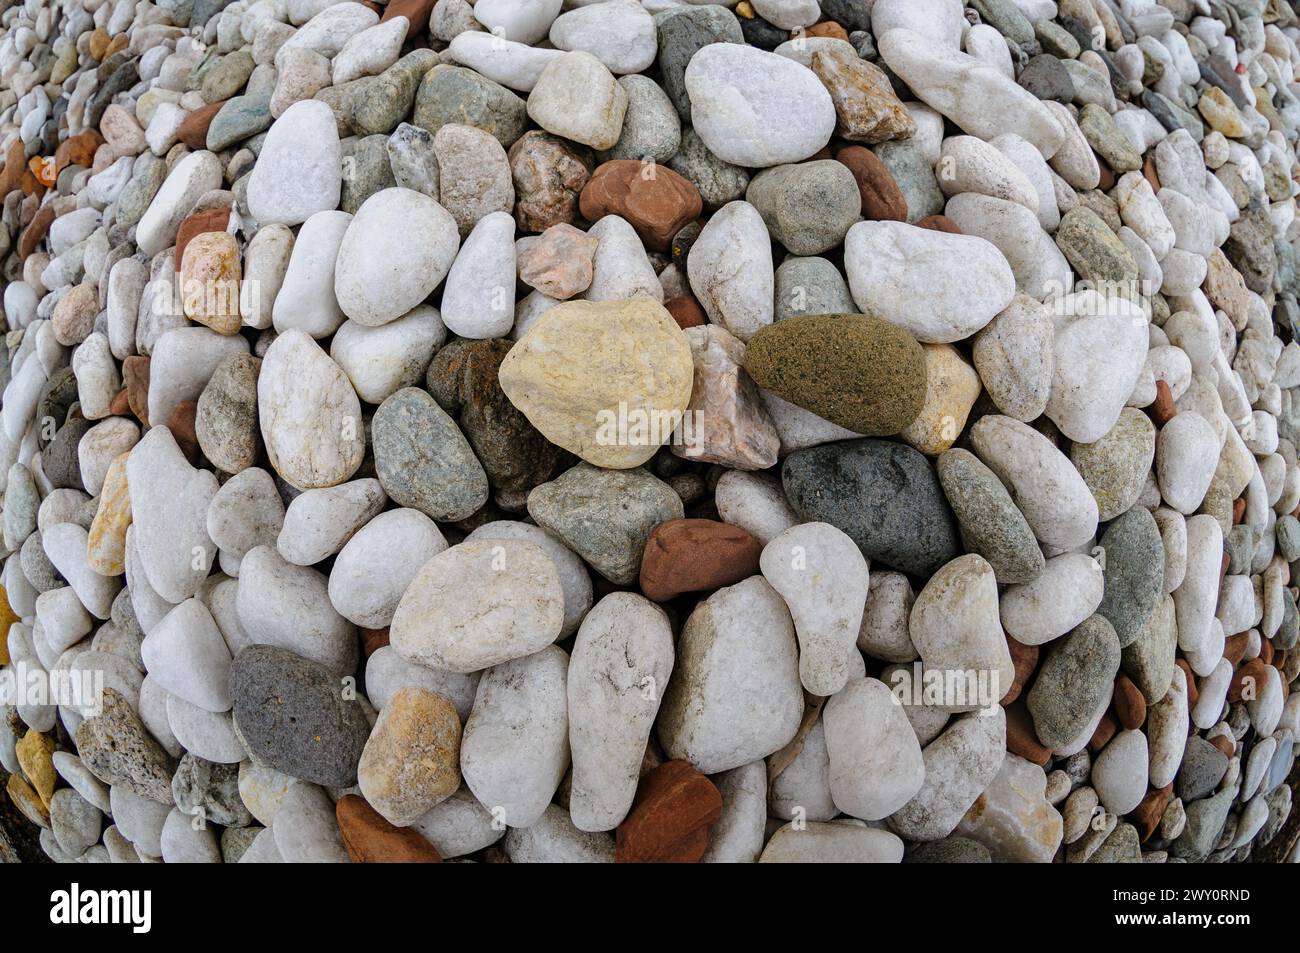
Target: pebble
{"x": 741, "y": 634}
{"x": 909, "y": 527}
{"x": 1086, "y": 660}
{"x": 517, "y": 611}
{"x": 298, "y": 172}
{"x": 423, "y": 460}
{"x": 410, "y": 762}
{"x": 290, "y": 713}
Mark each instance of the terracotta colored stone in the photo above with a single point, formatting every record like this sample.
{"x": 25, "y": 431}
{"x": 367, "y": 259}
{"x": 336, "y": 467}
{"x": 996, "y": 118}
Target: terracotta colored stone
{"x": 1025, "y": 659}
{"x": 135, "y": 375}
{"x": 827, "y": 28}
{"x": 1146, "y": 816}
{"x": 1162, "y": 409}
{"x": 882, "y": 199}
{"x": 686, "y": 311}
{"x": 116, "y": 45}
{"x": 43, "y": 170}
{"x": 209, "y": 281}
{"x": 372, "y": 640}
{"x": 1106, "y": 729}
{"x": 74, "y": 315}
{"x": 416, "y": 11}
{"x": 654, "y": 199}
{"x": 1192, "y": 693}
{"x": 15, "y": 166}
{"x": 1149, "y": 171}
{"x": 670, "y": 819}
{"x": 1130, "y": 705}
{"x": 558, "y": 262}
{"x": 78, "y": 150}
{"x": 36, "y": 230}
{"x": 1266, "y": 652}
{"x": 194, "y": 129}
{"x": 1021, "y": 739}
{"x": 208, "y": 220}
{"x": 1238, "y": 510}
{"x": 1107, "y": 180}
{"x": 121, "y": 405}
{"x": 181, "y": 424}
{"x": 372, "y": 840}
{"x": 939, "y": 223}
{"x": 1224, "y": 744}
{"x": 693, "y": 555}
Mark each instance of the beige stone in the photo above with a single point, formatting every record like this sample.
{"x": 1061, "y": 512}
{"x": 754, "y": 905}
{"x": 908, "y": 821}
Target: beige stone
{"x": 106, "y": 544}
{"x": 36, "y": 757}
{"x": 730, "y": 424}
{"x": 606, "y": 380}
{"x": 210, "y": 274}
{"x": 952, "y": 387}
{"x": 412, "y": 761}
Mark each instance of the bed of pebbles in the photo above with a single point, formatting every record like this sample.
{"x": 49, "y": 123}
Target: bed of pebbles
{"x": 644, "y": 430}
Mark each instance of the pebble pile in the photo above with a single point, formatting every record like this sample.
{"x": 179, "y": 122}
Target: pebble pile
{"x": 650, "y": 430}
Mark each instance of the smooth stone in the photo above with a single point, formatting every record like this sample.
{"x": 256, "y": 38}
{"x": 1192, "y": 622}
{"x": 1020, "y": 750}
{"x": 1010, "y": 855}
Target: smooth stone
{"x": 317, "y": 523}
{"x": 517, "y": 606}
{"x": 1116, "y": 466}
{"x": 298, "y": 172}
{"x": 376, "y": 565}
{"x": 909, "y": 528}
{"x": 411, "y": 760}
{"x": 735, "y": 696}
{"x": 1074, "y": 683}
{"x": 964, "y": 279}
{"x": 293, "y": 717}
{"x": 1069, "y": 590}
{"x": 730, "y": 270}
{"x": 605, "y": 516}
{"x": 381, "y": 361}
{"x": 876, "y": 765}
{"x": 990, "y": 523}
{"x": 1135, "y": 572}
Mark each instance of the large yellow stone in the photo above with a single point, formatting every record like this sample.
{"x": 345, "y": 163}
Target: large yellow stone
{"x": 36, "y": 757}
{"x": 106, "y": 544}
{"x": 7, "y": 618}
{"x": 27, "y": 801}
{"x": 210, "y": 274}
{"x": 606, "y": 380}
{"x": 951, "y": 387}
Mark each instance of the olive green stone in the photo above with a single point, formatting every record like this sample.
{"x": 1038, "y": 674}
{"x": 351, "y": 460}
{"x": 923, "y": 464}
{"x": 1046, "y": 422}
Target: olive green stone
{"x": 860, "y": 372}
{"x": 1116, "y": 466}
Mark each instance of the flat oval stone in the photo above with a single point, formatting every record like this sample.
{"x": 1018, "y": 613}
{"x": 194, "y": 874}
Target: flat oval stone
{"x": 298, "y": 172}
{"x": 623, "y": 648}
{"x": 735, "y": 695}
{"x": 423, "y": 460}
{"x": 862, "y": 373}
{"x": 1074, "y": 683}
{"x": 786, "y": 116}
{"x": 1135, "y": 572}
{"x": 875, "y": 761}
{"x": 883, "y": 495}
{"x": 396, "y": 251}
{"x": 477, "y": 604}
{"x": 294, "y": 716}
{"x": 989, "y": 521}
{"x": 693, "y": 555}
{"x": 1116, "y": 466}
{"x": 310, "y": 415}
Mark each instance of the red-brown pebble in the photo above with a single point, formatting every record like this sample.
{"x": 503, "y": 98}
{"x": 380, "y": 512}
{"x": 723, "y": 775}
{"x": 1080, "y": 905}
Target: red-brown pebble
{"x": 654, "y": 199}
{"x": 1021, "y": 739}
{"x": 1162, "y": 408}
{"x": 1249, "y": 679}
{"x": 1130, "y": 706}
{"x": 939, "y": 223}
{"x": 135, "y": 375}
{"x": 194, "y": 128}
{"x": 370, "y": 839}
{"x": 1146, "y": 816}
{"x": 670, "y": 819}
{"x": 1106, "y": 729}
{"x": 686, "y": 311}
{"x": 693, "y": 555}
{"x": 372, "y": 640}
{"x": 1025, "y": 659}
{"x": 882, "y": 199}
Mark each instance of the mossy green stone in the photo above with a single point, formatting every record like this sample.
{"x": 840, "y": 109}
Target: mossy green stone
{"x": 860, "y": 372}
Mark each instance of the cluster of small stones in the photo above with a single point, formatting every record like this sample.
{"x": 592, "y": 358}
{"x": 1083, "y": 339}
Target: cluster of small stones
{"x": 650, "y": 430}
